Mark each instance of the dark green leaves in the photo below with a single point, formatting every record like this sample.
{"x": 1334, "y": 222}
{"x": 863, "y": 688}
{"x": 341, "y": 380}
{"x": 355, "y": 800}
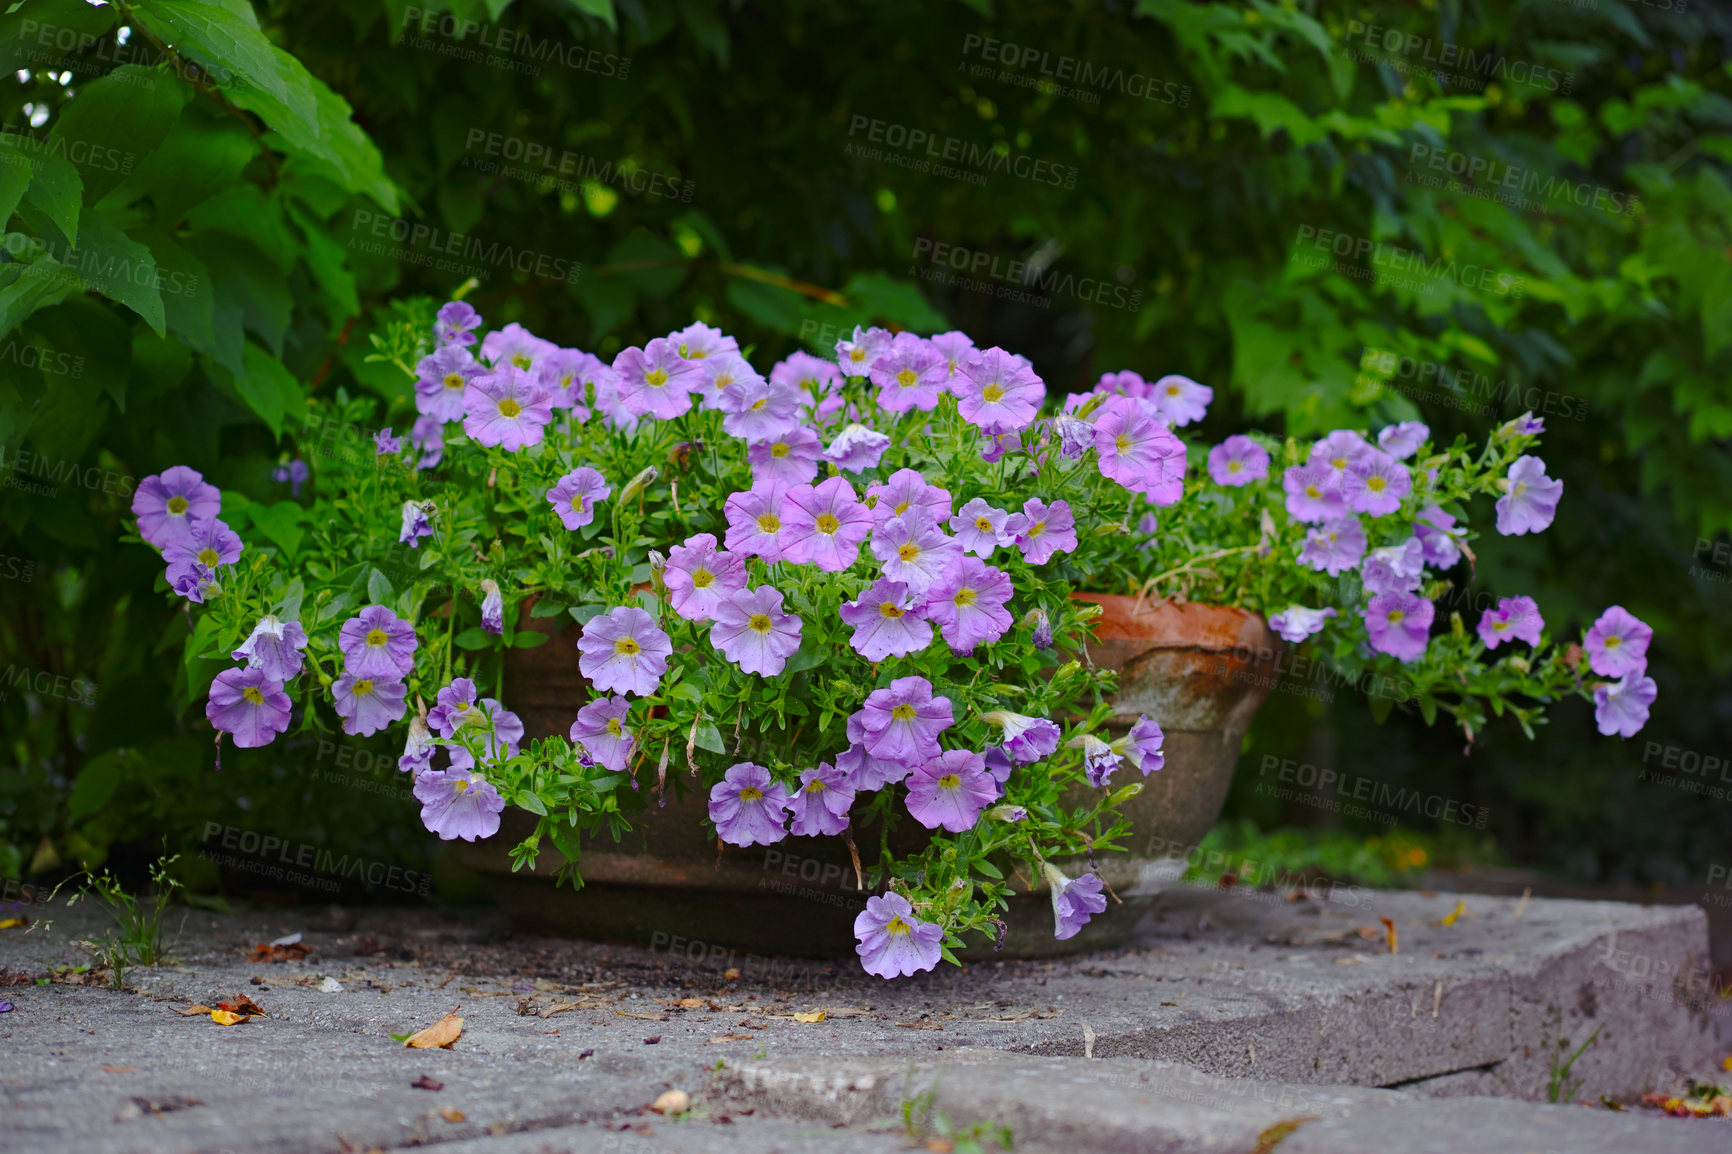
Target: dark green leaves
{"x": 114, "y": 122}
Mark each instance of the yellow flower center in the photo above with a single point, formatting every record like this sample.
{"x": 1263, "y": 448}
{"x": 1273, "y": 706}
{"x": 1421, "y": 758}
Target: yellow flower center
{"x": 1173, "y": 390}
{"x": 779, "y": 449}
{"x": 461, "y": 786}
{"x": 1376, "y": 484}
{"x": 949, "y": 781}
{"x": 759, "y": 623}
{"x": 903, "y": 712}
{"x": 509, "y": 407}
{"x": 770, "y": 523}
{"x": 983, "y": 525}
{"x": 1339, "y": 462}
{"x": 1614, "y": 642}
{"x": 363, "y": 687}
{"x": 888, "y": 609}
{"x": 208, "y": 558}
{"x": 376, "y": 637}
{"x": 1520, "y": 488}
{"x": 1122, "y": 442}
{"x": 1500, "y": 626}
{"x": 702, "y": 579}
{"x": 1235, "y": 466}
{"x": 992, "y": 392}
{"x": 656, "y": 378}
{"x": 1313, "y": 491}
{"x": 906, "y": 378}
{"x": 896, "y": 927}
{"x": 856, "y": 355}
{"x": 613, "y": 726}
{"x": 627, "y": 647}
{"x": 522, "y": 360}
{"x": 964, "y": 597}
{"x": 177, "y": 505}
{"x": 758, "y": 405}
{"x": 751, "y": 793}
{"x": 454, "y": 380}
{"x": 908, "y": 552}
{"x": 1395, "y": 616}
{"x": 827, "y": 523}
{"x": 1035, "y": 529}
{"x": 815, "y": 786}
{"x": 252, "y": 696}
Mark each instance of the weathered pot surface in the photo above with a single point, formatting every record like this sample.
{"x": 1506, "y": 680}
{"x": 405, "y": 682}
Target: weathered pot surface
{"x": 1201, "y": 671}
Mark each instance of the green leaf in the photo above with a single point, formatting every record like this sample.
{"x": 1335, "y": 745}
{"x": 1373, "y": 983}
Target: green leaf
{"x": 188, "y": 298}
{"x": 15, "y": 177}
{"x": 268, "y": 389}
{"x": 55, "y": 189}
{"x": 601, "y": 9}
{"x": 281, "y": 523}
{"x": 31, "y": 35}
{"x": 527, "y": 799}
{"x": 710, "y": 738}
{"x": 203, "y": 154}
{"x": 651, "y": 264}
{"x": 378, "y": 587}
{"x": 529, "y": 639}
{"x": 545, "y": 608}
{"x": 96, "y": 783}
{"x": 473, "y": 638}
{"x": 39, "y": 284}
{"x": 114, "y": 121}
{"x": 238, "y": 57}
{"x": 887, "y": 298}
{"x": 120, "y": 269}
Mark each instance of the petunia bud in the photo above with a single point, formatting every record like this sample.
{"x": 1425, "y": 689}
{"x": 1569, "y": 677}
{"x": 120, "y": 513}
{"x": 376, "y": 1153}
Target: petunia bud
{"x": 657, "y": 562}
{"x": 639, "y": 483}
{"x": 1520, "y": 665}
{"x": 1012, "y": 813}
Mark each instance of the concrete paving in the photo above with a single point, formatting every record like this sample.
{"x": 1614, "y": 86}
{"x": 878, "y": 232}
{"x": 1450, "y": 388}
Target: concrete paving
{"x": 1236, "y": 1020}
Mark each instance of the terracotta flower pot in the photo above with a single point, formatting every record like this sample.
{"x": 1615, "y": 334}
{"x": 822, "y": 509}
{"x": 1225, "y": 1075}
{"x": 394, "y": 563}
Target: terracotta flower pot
{"x": 1200, "y": 671}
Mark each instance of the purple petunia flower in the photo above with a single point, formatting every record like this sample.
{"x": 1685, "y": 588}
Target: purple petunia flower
{"x": 949, "y": 791}
{"x": 755, "y": 523}
{"x": 502, "y": 732}
{"x": 428, "y": 435}
{"x": 492, "y": 606}
{"x": 699, "y": 342}
{"x": 600, "y": 729}
{"x": 1617, "y": 643}
{"x": 1436, "y": 533}
{"x": 441, "y": 379}
{"x": 1375, "y": 483}
{"x": 857, "y": 449}
{"x": 603, "y": 385}
{"x": 1042, "y": 530}
{"x": 207, "y": 542}
{"x": 1526, "y": 425}
{"x": 821, "y": 807}
{"x": 824, "y": 525}
{"x": 700, "y": 577}
{"x": 1338, "y": 451}
{"x": 377, "y": 643}
{"x": 1099, "y": 759}
{"x": 902, "y": 722}
{"x": 1142, "y": 746}
{"x": 865, "y": 772}
{"x": 194, "y": 582}
{"x": 575, "y": 497}
{"x": 624, "y": 652}
{"x": 417, "y": 523}
{"x": 998, "y": 763}
{"x": 1041, "y": 633}
{"x": 906, "y": 490}
{"x": 507, "y": 408}
{"x": 980, "y": 528}
{"x": 996, "y": 392}
{"x": 1394, "y": 568}
{"x": 1514, "y": 619}
{"x": 753, "y": 409}
{"x": 418, "y": 747}
{"x": 955, "y": 348}
{"x": 1295, "y": 623}
{"x": 1180, "y": 399}
{"x": 749, "y": 806}
{"x": 910, "y": 374}
{"x": 453, "y": 708}
{"x": 816, "y": 383}
{"x": 516, "y": 347}
{"x": 1622, "y": 707}
{"x": 386, "y": 443}
{"x": 856, "y": 354}
{"x": 1403, "y": 440}
{"x": 754, "y": 633}
{"x": 1075, "y": 435}
{"x": 274, "y": 648}
{"x": 1335, "y": 547}
{"x": 294, "y": 474}
{"x": 1530, "y": 499}
{"x": 367, "y": 705}
{"x": 788, "y": 459}
{"x": 1026, "y": 739}
{"x": 892, "y": 942}
{"x": 456, "y": 323}
{"x": 887, "y": 621}
{"x": 1313, "y": 494}
{"x": 655, "y": 381}
{"x": 1400, "y": 624}
{"x": 1238, "y": 461}
{"x": 1074, "y": 901}
{"x": 914, "y": 550}
{"x": 1138, "y": 452}
{"x": 562, "y": 375}
{"x": 458, "y": 803}
{"x": 967, "y": 602}
{"x": 248, "y": 705}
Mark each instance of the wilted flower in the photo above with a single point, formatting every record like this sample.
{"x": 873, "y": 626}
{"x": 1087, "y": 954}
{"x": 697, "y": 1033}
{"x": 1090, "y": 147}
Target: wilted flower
{"x": 1394, "y": 568}
{"x": 754, "y": 633}
{"x": 458, "y": 803}
{"x": 1041, "y": 628}
{"x": 1617, "y": 643}
{"x": 1026, "y": 739}
{"x": 1400, "y": 624}
{"x": 248, "y": 705}
{"x": 418, "y": 748}
{"x": 1075, "y": 436}
{"x": 887, "y": 620}
{"x": 949, "y": 791}
{"x": 892, "y": 942}
{"x": 1142, "y": 746}
{"x": 1514, "y": 619}
{"x": 857, "y": 449}
{"x": 749, "y": 806}
{"x": 1099, "y": 758}
{"x": 624, "y": 652}
{"x": 274, "y": 648}
{"x": 417, "y": 523}
{"x": 575, "y": 497}
{"x": 1530, "y": 499}
{"x": 492, "y": 606}
{"x": 700, "y": 577}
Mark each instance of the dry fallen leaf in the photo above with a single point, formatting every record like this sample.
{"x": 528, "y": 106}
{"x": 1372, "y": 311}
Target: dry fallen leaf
{"x": 1460, "y": 908}
{"x": 229, "y": 1017}
{"x": 730, "y": 973}
{"x": 440, "y": 1034}
{"x": 120, "y": 1069}
{"x": 426, "y": 1082}
{"x": 13, "y": 923}
{"x": 814, "y": 1016}
{"x": 191, "y": 1011}
{"x": 241, "y": 1004}
{"x": 452, "y": 1114}
{"x": 691, "y": 1003}
{"x": 918, "y": 1026}
{"x": 672, "y": 1102}
{"x": 720, "y": 1038}
{"x": 1389, "y": 928}
{"x": 645, "y": 1017}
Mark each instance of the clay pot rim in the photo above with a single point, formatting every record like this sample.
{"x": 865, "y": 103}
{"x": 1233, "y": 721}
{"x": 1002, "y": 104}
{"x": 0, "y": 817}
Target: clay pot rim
{"x": 1167, "y": 624}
